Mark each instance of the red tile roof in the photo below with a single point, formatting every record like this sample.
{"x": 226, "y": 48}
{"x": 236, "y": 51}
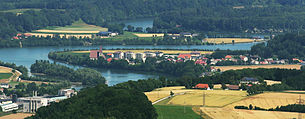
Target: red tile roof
{"x": 202, "y": 85}
{"x": 233, "y": 87}
{"x": 94, "y": 54}
{"x": 228, "y": 57}
{"x": 185, "y": 56}
{"x": 109, "y": 59}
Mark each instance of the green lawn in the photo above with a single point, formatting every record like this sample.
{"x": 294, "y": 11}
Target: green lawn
{"x": 5, "y": 75}
{"x": 79, "y": 25}
{"x": 175, "y": 112}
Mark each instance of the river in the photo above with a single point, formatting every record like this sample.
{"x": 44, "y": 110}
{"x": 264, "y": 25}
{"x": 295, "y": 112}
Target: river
{"x": 27, "y": 56}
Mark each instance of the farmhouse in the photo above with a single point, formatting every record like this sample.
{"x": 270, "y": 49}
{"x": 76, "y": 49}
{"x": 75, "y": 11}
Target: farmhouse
{"x": 185, "y": 56}
{"x": 233, "y": 87}
{"x": 248, "y": 80}
{"x": 95, "y": 54}
{"x": 202, "y": 86}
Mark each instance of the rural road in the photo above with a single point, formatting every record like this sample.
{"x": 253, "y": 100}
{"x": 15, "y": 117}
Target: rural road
{"x": 167, "y": 98}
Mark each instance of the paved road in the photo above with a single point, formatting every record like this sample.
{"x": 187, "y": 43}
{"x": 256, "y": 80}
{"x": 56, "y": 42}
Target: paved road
{"x": 167, "y": 98}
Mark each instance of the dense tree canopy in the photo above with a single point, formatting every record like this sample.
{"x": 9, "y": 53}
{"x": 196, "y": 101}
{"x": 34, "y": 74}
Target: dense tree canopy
{"x": 100, "y": 102}
{"x": 86, "y": 76}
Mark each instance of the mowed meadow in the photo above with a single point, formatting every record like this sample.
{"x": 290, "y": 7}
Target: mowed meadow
{"x": 77, "y": 29}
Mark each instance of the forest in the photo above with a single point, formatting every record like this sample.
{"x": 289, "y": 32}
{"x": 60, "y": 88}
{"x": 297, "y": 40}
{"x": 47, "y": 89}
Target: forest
{"x": 172, "y": 16}
{"x": 100, "y": 102}
{"x": 287, "y": 46}
{"x": 288, "y": 108}
{"x": 87, "y": 76}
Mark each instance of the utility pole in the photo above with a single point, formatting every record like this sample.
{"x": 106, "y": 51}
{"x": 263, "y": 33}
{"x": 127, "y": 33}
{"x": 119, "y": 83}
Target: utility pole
{"x": 300, "y": 101}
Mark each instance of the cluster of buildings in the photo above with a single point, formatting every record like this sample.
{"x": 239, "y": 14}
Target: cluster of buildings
{"x": 254, "y": 60}
{"x": 32, "y": 104}
{"x": 246, "y": 80}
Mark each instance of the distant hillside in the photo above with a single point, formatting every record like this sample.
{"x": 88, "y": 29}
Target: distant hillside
{"x": 171, "y": 15}
{"x": 99, "y": 103}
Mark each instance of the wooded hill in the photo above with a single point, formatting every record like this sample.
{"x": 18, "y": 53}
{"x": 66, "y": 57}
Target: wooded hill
{"x": 189, "y": 15}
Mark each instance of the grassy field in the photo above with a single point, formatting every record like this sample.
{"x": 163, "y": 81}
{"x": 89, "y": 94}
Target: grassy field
{"x": 265, "y": 100}
{"x": 228, "y": 40}
{"x": 77, "y": 29}
{"x": 175, "y": 112}
{"x": 281, "y": 66}
{"x": 142, "y": 51}
{"x": 213, "y": 98}
{"x": 5, "y": 75}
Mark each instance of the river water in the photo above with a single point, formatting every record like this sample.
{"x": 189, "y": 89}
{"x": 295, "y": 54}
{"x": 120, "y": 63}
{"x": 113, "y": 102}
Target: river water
{"x": 27, "y": 56}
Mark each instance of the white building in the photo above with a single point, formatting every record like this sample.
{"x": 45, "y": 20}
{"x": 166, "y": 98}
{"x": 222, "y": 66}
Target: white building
{"x": 129, "y": 55}
{"x": 9, "y": 107}
{"x": 150, "y": 54}
{"x": 66, "y": 92}
{"x": 4, "y": 85}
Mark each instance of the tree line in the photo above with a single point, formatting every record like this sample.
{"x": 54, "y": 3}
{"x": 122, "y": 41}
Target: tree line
{"x": 85, "y": 75}
{"x": 288, "y": 108}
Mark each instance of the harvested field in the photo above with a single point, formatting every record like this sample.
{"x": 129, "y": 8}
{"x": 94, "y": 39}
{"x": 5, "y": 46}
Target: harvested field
{"x": 213, "y": 98}
{"x": 65, "y": 31}
{"x": 229, "y": 113}
{"x": 281, "y": 66}
{"x": 16, "y": 116}
{"x": 265, "y": 100}
{"x": 270, "y": 82}
{"x": 149, "y": 35}
{"x": 142, "y": 51}
{"x": 228, "y": 40}
{"x": 163, "y": 92}
{"x": 269, "y": 100}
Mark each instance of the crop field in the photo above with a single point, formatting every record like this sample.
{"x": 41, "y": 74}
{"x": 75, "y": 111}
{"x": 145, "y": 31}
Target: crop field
{"x": 269, "y": 100}
{"x": 281, "y": 66}
{"x": 213, "y": 98}
{"x": 148, "y": 34}
{"x": 228, "y": 40}
{"x": 163, "y": 92}
{"x": 16, "y": 116}
{"x": 142, "y": 51}
{"x": 229, "y": 113}
{"x": 270, "y": 82}
{"x": 61, "y": 35}
{"x": 265, "y": 100}
{"x": 175, "y": 112}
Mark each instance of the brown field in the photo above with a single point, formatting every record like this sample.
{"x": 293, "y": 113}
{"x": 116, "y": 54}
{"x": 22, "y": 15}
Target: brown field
{"x": 265, "y": 100}
{"x": 228, "y": 113}
{"x": 213, "y": 98}
{"x": 16, "y": 116}
{"x": 149, "y": 35}
{"x": 270, "y": 82}
{"x": 164, "y": 92}
{"x": 228, "y": 40}
{"x": 37, "y": 82}
{"x": 286, "y": 66}
{"x": 142, "y": 51}
{"x": 65, "y": 31}
{"x": 5, "y": 69}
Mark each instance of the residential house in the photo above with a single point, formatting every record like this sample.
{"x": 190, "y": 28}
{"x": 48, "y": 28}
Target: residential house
{"x": 4, "y": 85}
{"x": 243, "y": 58}
{"x": 118, "y": 55}
{"x": 149, "y": 54}
{"x": 159, "y": 54}
{"x": 233, "y": 87}
{"x": 66, "y": 92}
{"x": 248, "y": 80}
{"x": 94, "y": 54}
{"x": 129, "y": 55}
{"x": 185, "y": 56}
{"x": 202, "y": 86}
{"x": 185, "y": 34}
